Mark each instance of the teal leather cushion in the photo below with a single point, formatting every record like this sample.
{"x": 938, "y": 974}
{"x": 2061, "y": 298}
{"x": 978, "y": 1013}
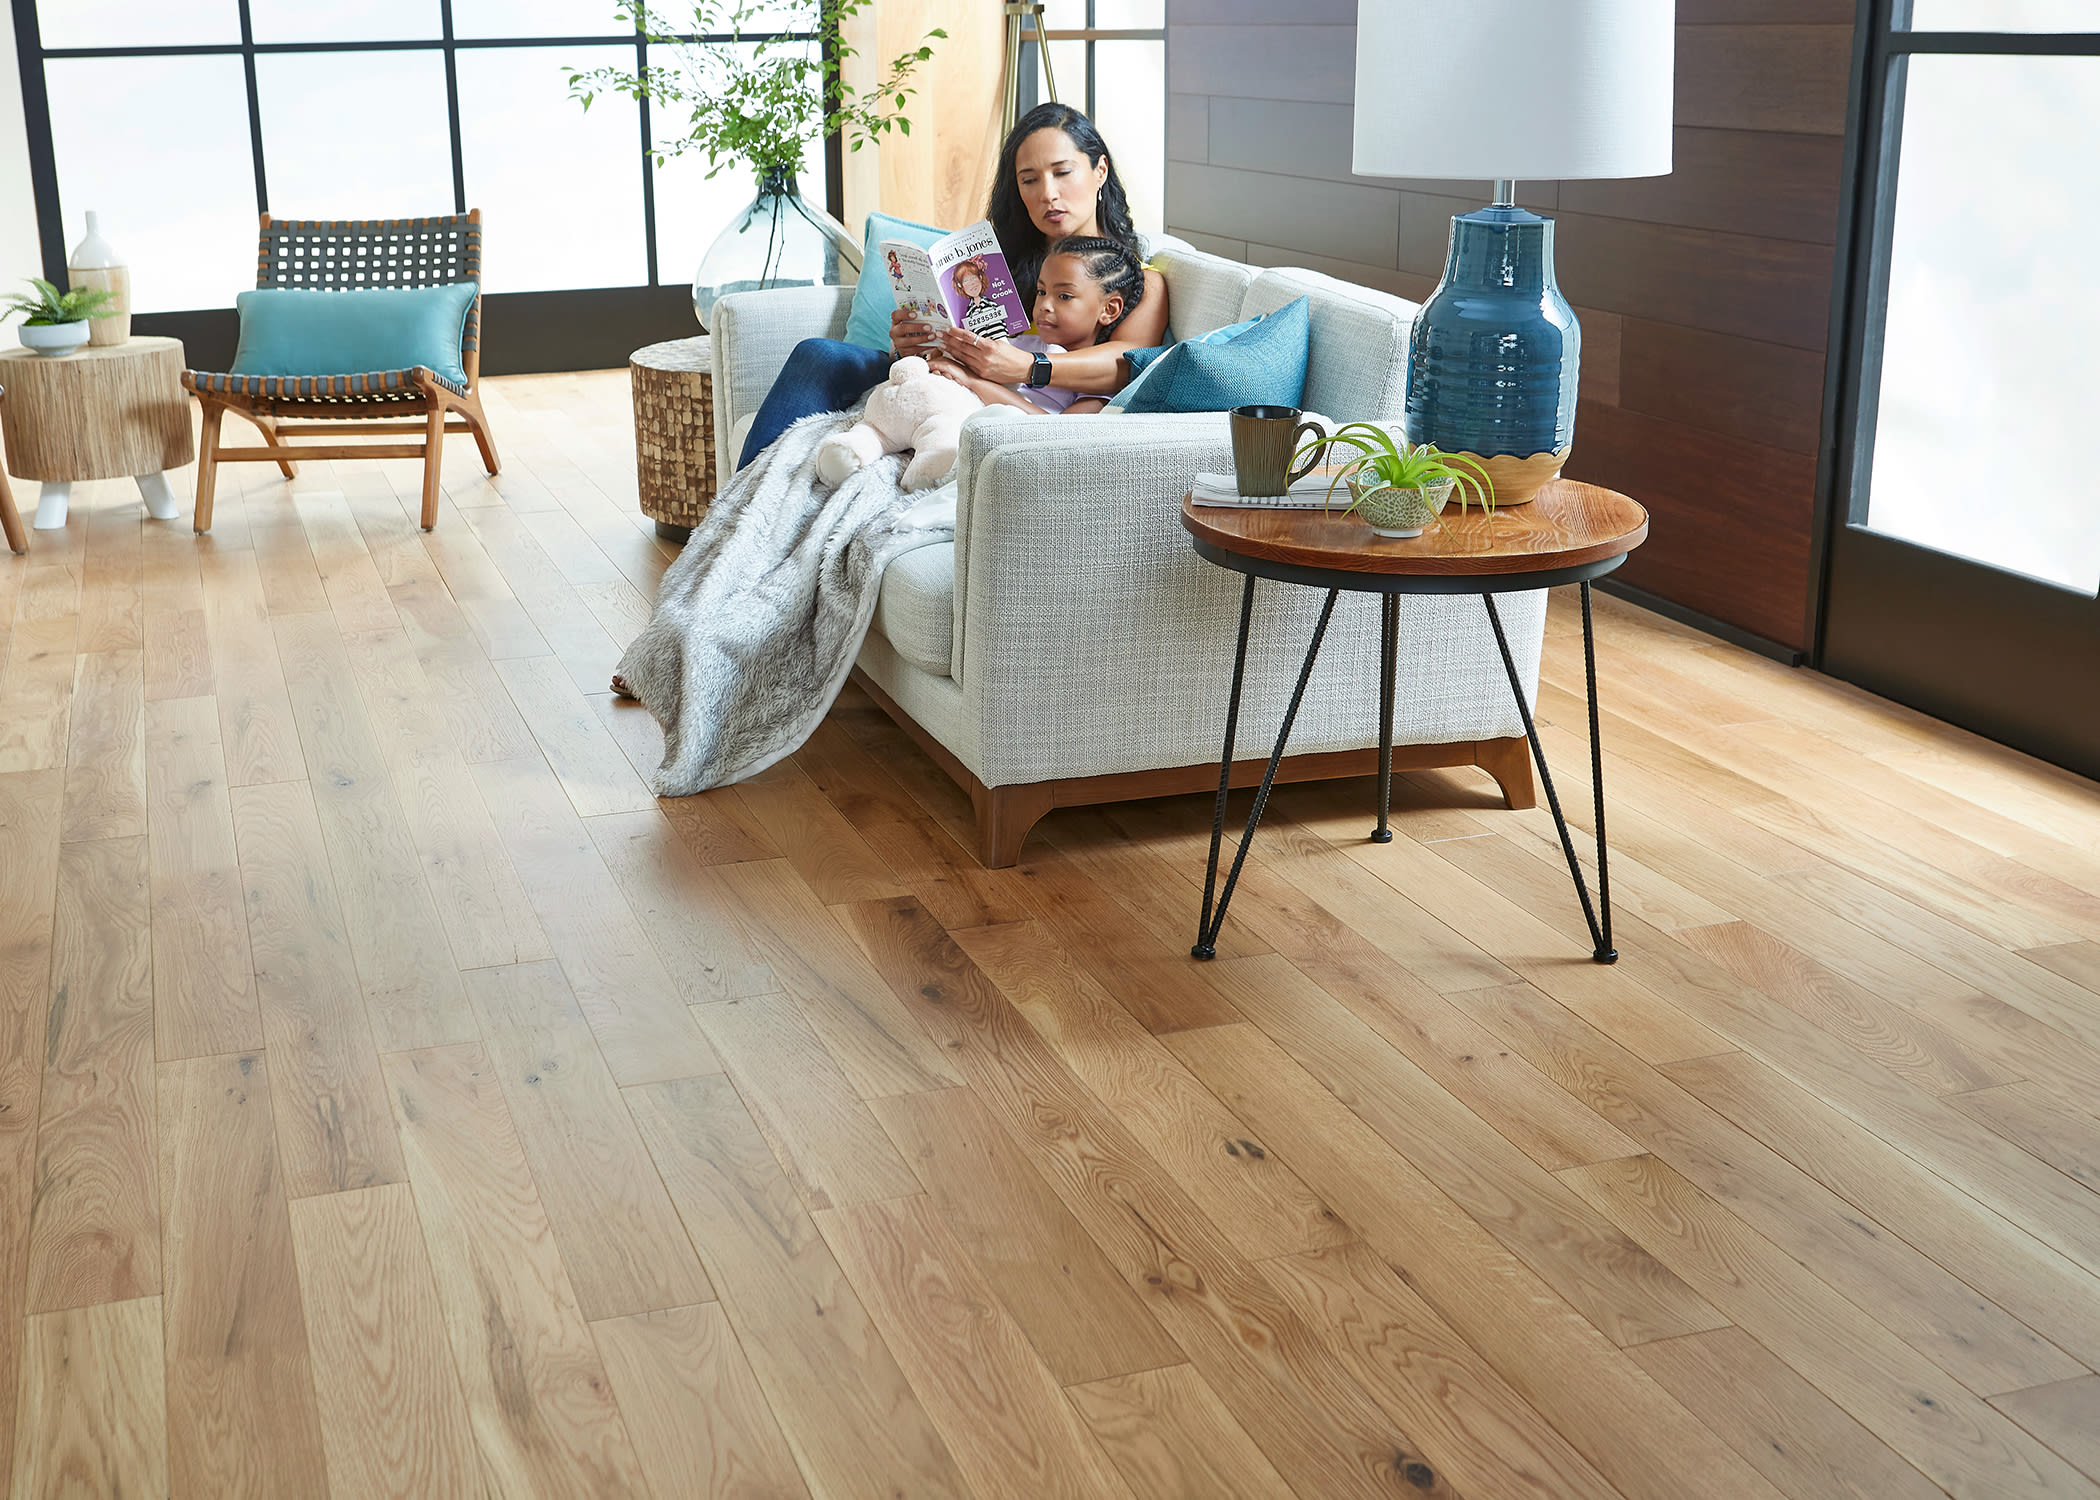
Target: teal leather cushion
{"x": 868, "y": 324}
{"x": 292, "y": 331}
{"x": 1257, "y": 363}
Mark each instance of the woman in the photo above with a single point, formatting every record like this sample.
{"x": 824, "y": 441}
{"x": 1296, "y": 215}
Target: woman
{"x": 1055, "y": 179}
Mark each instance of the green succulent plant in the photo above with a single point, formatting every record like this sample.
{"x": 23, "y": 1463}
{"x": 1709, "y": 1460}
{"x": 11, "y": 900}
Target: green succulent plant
{"x": 1401, "y": 465}
{"x": 50, "y": 305}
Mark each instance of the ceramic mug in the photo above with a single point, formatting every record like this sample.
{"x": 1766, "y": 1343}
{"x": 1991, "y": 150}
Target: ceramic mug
{"x": 1263, "y": 440}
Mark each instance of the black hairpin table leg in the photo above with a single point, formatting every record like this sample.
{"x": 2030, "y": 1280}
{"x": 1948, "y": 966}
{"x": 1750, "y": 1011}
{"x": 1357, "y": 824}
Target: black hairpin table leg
{"x": 1600, "y": 932}
{"x": 1388, "y": 652}
{"x": 1214, "y": 919}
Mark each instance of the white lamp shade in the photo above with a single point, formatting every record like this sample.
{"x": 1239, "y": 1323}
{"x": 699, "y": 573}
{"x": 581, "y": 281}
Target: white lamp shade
{"x": 1531, "y": 89}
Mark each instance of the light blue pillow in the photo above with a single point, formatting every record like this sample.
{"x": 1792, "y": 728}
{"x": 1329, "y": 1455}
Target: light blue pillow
{"x": 868, "y": 324}
{"x": 294, "y": 331}
{"x": 1257, "y": 363}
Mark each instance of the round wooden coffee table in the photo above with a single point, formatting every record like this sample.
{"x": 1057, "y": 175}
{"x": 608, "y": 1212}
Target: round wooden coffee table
{"x": 114, "y": 411}
{"x": 1571, "y": 533}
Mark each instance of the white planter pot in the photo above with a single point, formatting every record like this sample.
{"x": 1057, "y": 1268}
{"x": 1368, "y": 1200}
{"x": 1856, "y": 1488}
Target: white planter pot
{"x": 54, "y": 338}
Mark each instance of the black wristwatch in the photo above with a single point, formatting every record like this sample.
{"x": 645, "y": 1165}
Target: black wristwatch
{"x": 1039, "y": 372}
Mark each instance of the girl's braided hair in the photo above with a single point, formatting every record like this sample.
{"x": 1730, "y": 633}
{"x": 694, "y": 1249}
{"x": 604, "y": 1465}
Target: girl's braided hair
{"x": 1111, "y": 265}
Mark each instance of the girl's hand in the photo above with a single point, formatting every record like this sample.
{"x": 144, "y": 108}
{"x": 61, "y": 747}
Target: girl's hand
{"x": 947, "y": 369}
{"x": 995, "y": 360}
{"x": 908, "y": 335}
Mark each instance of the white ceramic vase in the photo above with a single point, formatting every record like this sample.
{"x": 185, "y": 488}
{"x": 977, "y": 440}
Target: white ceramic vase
{"x": 94, "y": 263}
{"x": 55, "y": 338}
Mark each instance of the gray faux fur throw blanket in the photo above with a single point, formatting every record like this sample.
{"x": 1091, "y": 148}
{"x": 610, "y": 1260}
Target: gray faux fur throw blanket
{"x": 759, "y": 620}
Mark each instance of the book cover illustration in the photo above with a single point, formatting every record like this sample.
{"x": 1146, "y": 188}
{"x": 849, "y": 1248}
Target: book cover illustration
{"x": 960, "y": 280}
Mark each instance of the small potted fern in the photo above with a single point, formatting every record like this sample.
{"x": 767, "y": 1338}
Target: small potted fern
{"x": 1401, "y": 488}
{"x": 56, "y": 322}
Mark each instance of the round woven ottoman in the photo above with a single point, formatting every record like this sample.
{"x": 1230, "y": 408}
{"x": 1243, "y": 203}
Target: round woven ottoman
{"x": 674, "y": 433}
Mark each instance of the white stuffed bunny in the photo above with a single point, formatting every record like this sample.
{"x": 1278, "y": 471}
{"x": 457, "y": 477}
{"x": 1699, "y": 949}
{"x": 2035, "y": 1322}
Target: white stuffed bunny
{"x": 915, "y": 409}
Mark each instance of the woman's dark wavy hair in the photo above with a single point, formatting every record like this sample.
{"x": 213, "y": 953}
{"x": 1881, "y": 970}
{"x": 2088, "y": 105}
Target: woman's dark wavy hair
{"x": 1114, "y": 267}
{"x": 1023, "y": 243}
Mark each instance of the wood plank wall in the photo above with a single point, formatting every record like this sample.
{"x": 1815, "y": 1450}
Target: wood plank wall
{"x": 1704, "y": 295}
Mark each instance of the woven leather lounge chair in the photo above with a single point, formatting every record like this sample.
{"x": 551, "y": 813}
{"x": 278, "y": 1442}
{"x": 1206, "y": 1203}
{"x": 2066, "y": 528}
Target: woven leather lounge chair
{"x": 349, "y": 255}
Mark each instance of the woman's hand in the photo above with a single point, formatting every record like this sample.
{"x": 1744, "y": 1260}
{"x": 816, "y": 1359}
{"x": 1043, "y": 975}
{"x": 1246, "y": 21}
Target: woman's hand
{"x": 995, "y": 360}
{"x": 909, "y": 335}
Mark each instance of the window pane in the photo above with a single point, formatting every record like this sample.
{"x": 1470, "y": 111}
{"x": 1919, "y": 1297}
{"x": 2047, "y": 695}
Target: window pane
{"x": 183, "y": 213}
{"x": 2005, "y": 15}
{"x": 403, "y": 171}
{"x": 137, "y": 23}
{"x": 366, "y": 21}
{"x": 1130, "y": 96}
{"x": 500, "y": 18}
{"x": 1063, "y": 15}
{"x": 560, "y": 190}
{"x": 691, "y": 209}
{"x": 1984, "y": 395}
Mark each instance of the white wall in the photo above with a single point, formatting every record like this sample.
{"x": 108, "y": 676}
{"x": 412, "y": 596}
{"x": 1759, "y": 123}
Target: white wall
{"x": 19, "y": 255}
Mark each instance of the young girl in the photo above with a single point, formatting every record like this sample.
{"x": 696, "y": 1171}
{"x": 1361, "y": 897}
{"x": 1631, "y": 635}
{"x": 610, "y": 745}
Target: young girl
{"x": 1088, "y": 286}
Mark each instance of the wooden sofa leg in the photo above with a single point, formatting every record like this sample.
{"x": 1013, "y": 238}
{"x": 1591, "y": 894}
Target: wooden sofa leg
{"x": 1004, "y": 816}
{"x": 207, "y": 465}
{"x": 433, "y": 463}
{"x": 1509, "y": 762}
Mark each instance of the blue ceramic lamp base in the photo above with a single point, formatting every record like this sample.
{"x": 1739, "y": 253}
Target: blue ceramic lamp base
{"x": 1493, "y": 359}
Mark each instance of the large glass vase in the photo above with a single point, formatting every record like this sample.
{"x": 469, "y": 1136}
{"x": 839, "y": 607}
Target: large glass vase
{"x": 782, "y": 239}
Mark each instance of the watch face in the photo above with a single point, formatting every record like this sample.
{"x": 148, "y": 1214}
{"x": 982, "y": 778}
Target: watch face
{"x": 1039, "y": 372}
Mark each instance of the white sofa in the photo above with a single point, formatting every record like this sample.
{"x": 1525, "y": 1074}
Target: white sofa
{"x": 1070, "y": 648}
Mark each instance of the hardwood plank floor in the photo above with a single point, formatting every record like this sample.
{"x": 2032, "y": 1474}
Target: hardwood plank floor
{"x": 396, "y": 1098}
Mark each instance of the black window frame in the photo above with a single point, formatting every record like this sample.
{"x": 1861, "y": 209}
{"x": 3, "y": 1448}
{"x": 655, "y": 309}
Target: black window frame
{"x": 1944, "y": 634}
{"x": 585, "y": 328}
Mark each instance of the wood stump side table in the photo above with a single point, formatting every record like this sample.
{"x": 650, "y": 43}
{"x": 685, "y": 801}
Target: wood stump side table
{"x": 674, "y": 432}
{"x": 113, "y": 412}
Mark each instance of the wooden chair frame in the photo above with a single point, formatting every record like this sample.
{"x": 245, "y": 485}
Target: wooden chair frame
{"x": 10, "y": 518}
{"x": 348, "y": 255}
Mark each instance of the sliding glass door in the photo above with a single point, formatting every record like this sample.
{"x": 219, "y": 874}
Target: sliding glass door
{"x": 1964, "y": 549}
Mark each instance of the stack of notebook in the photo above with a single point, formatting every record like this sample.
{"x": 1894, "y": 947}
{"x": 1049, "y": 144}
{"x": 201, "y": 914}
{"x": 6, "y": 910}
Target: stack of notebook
{"x": 1309, "y": 493}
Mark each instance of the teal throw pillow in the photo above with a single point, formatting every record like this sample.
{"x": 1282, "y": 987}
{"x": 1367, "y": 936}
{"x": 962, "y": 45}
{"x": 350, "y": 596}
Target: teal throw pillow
{"x": 1257, "y": 363}
{"x": 868, "y": 324}
{"x": 293, "y": 331}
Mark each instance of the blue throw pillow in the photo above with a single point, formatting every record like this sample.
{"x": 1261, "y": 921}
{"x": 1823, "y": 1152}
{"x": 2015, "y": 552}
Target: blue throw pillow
{"x": 1257, "y": 363}
{"x": 294, "y": 331}
{"x": 868, "y": 324}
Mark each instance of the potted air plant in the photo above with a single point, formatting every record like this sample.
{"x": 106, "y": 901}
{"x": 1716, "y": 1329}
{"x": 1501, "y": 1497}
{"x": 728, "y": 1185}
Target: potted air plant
{"x": 1401, "y": 488}
{"x": 56, "y": 322}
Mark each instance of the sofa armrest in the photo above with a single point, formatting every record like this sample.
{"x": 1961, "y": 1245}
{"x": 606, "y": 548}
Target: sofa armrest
{"x": 1044, "y": 492}
{"x": 1090, "y": 638}
{"x": 753, "y": 334}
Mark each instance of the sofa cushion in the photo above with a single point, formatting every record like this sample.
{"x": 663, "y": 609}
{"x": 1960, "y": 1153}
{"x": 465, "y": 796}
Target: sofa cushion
{"x": 868, "y": 325}
{"x": 1260, "y": 362}
{"x": 916, "y": 609}
{"x": 1357, "y": 369}
{"x": 1204, "y": 291}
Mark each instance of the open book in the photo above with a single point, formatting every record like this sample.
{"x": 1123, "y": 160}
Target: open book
{"x": 961, "y": 280}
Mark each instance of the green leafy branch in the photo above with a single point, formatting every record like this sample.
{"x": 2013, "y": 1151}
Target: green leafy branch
{"x": 764, "y": 100}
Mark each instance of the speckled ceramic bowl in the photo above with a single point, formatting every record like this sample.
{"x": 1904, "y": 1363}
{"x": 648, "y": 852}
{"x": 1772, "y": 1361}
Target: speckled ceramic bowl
{"x": 1399, "y": 513}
